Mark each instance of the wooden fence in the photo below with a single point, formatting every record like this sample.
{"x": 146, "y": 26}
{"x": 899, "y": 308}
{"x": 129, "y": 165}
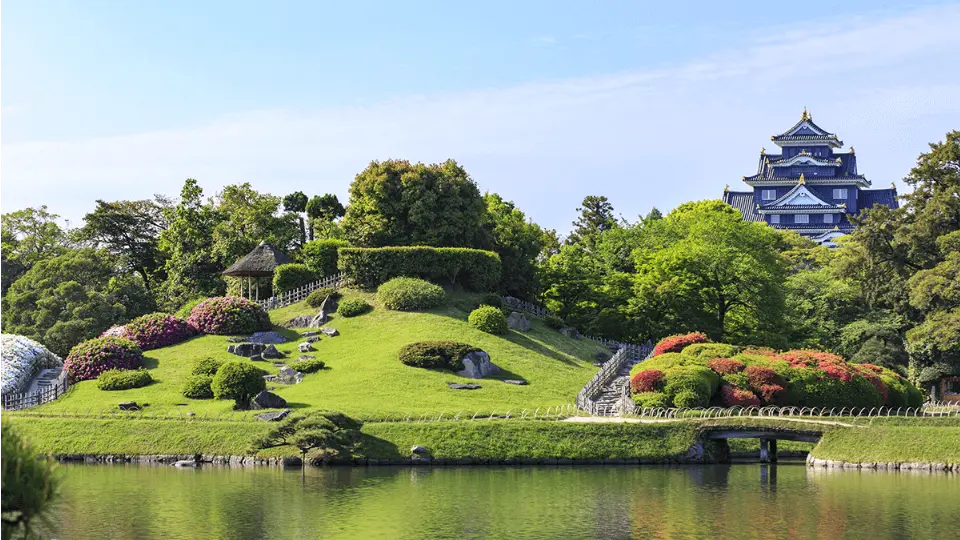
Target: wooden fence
{"x": 301, "y": 293}
{"x": 22, "y": 400}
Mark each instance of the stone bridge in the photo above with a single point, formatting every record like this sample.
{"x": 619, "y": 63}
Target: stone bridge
{"x": 712, "y": 447}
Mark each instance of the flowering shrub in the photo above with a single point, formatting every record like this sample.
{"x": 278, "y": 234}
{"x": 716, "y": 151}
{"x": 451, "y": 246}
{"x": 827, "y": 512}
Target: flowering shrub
{"x": 22, "y": 358}
{"x": 157, "y": 330}
{"x": 92, "y": 357}
{"x": 647, "y": 381}
{"x": 760, "y": 376}
{"x": 876, "y": 369}
{"x": 678, "y": 342}
{"x": 772, "y": 394}
{"x": 734, "y": 397}
{"x": 726, "y": 366}
{"x": 836, "y": 372}
{"x": 117, "y": 330}
{"x": 800, "y": 358}
{"x": 866, "y": 371}
{"x": 228, "y": 315}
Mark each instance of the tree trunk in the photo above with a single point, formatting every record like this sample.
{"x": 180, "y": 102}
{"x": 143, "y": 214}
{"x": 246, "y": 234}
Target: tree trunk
{"x": 303, "y": 233}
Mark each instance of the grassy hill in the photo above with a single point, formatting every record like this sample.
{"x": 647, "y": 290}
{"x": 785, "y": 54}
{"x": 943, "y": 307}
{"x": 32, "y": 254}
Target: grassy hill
{"x": 363, "y": 376}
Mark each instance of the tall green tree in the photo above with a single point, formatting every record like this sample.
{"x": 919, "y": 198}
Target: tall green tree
{"x": 596, "y": 216}
{"x": 395, "y": 202}
{"x": 27, "y": 237}
{"x": 519, "y": 243}
{"x": 296, "y": 202}
{"x": 324, "y": 211}
{"x": 247, "y": 218}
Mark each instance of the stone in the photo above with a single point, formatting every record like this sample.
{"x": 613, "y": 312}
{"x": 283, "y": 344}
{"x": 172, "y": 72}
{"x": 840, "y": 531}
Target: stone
{"x": 268, "y": 400}
{"x": 288, "y": 375}
{"x": 247, "y": 350}
{"x": 271, "y": 353}
{"x": 460, "y": 386}
{"x": 275, "y": 416}
{"x": 305, "y": 347}
{"x": 191, "y": 414}
{"x": 236, "y": 339}
{"x": 477, "y": 365}
{"x": 267, "y": 337}
{"x": 270, "y": 378}
{"x": 518, "y": 321}
{"x": 330, "y": 332}
{"x": 129, "y": 406}
{"x": 306, "y": 357}
{"x": 302, "y": 321}
{"x": 321, "y": 316}
{"x": 518, "y": 382}
{"x": 417, "y": 449}
{"x": 309, "y": 334}
{"x": 313, "y": 339}
{"x": 570, "y": 332}
{"x": 186, "y": 463}
{"x": 292, "y": 461}
{"x": 512, "y": 301}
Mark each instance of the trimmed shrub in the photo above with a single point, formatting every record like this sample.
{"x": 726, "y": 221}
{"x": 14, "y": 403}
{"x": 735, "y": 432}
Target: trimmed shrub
{"x": 309, "y": 366}
{"x": 710, "y": 351}
{"x": 491, "y": 299}
{"x": 321, "y": 256}
{"x": 123, "y": 379}
{"x": 726, "y": 366}
{"x": 696, "y": 379}
{"x": 488, "y": 319}
{"x": 287, "y": 277}
{"x": 410, "y": 294}
{"x": 738, "y": 397}
{"x": 760, "y": 376}
{"x": 436, "y": 354}
{"x": 187, "y": 308}
{"x": 760, "y": 351}
{"x": 690, "y": 399}
{"x": 197, "y": 386}
{"x": 739, "y": 380}
{"x": 474, "y": 269}
{"x": 554, "y": 322}
{"x": 206, "y": 366}
{"x": 651, "y": 400}
{"x": 351, "y": 307}
{"x": 809, "y": 358}
{"x": 89, "y": 359}
{"x": 315, "y": 298}
{"x": 227, "y": 315}
{"x": 772, "y": 394}
{"x": 649, "y": 380}
{"x": 157, "y": 330}
{"x": 678, "y": 342}
{"x": 239, "y": 381}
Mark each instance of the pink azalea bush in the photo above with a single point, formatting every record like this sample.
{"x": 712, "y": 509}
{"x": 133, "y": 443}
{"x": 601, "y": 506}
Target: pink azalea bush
{"x": 679, "y": 342}
{"x": 90, "y": 358}
{"x": 156, "y": 330}
{"x": 738, "y": 397}
{"x": 228, "y": 315}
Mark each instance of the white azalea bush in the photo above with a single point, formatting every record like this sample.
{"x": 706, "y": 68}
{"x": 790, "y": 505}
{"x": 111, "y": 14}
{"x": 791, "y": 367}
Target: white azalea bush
{"x": 22, "y": 358}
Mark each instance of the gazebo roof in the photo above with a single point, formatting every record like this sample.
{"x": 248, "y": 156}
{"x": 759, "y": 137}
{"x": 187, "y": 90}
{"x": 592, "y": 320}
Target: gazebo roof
{"x": 260, "y": 262}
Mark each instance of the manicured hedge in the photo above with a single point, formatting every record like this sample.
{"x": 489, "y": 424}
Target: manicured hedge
{"x": 154, "y": 331}
{"x": 227, "y": 315}
{"x": 351, "y": 307}
{"x": 678, "y": 342}
{"x": 206, "y": 366}
{"x": 197, "y": 386}
{"x": 287, "y": 277}
{"x": 474, "y": 269}
{"x": 488, "y": 319}
{"x": 410, "y": 294}
{"x": 123, "y": 379}
{"x": 321, "y": 256}
{"x": 436, "y": 354}
{"x": 90, "y": 358}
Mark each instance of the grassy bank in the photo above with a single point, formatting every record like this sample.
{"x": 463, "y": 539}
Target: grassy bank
{"x": 901, "y": 444}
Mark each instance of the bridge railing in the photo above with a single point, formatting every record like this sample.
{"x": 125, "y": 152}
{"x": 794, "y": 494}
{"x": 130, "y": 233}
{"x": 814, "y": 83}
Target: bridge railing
{"x": 927, "y": 410}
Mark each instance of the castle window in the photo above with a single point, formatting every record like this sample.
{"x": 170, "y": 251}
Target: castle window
{"x": 801, "y": 218}
{"x": 775, "y": 219}
{"x": 769, "y": 194}
{"x": 828, "y": 218}
{"x": 840, "y": 193}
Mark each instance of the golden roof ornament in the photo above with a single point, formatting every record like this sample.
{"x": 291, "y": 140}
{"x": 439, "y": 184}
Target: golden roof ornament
{"x": 893, "y": 185}
{"x": 763, "y": 151}
{"x": 836, "y": 227}
{"x": 803, "y": 180}
{"x": 805, "y": 115}
{"x": 852, "y": 151}
{"x": 726, "y": 188}
{"x": 843, "y": 205}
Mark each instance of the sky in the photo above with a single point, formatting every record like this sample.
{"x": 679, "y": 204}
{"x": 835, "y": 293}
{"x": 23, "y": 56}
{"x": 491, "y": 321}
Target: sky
{"x": 544, "y": 102}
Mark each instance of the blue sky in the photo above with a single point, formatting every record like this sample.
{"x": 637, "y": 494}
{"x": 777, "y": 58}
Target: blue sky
{"x": 543, "y": 102}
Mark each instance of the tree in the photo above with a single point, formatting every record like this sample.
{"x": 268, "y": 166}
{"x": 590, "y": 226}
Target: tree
{"x": 248, "y": 218}
{"x": 934, "y": 346}
{"x": 239, "y": 381}
{"x": 30, "y": 486}
{"x": 876, "y": 342}
{"x": 519, "y": 243}
{"x": 398, "y": 203}
{"x": 332, "y": 432}
{"x": 131, "y": 230}
{"x": 192, "y": 269}
{"x": 76, "y": 296}
{"x": 27, "y": 237}
{"x": 596, "y": 216}
{"x": 296, "y": 202}
{"x": 323, "y": 212}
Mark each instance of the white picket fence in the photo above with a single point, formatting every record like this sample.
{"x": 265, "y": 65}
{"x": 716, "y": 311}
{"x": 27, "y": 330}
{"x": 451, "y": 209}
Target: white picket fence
{"x": 301, "y": 293}
{"x": 927, "y": 410}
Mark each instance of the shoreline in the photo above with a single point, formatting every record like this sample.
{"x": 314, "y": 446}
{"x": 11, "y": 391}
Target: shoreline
{"x": 912, "y": 466}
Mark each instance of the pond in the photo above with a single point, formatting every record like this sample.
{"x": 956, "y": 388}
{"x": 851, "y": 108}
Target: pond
{"x": 735, "y": 501}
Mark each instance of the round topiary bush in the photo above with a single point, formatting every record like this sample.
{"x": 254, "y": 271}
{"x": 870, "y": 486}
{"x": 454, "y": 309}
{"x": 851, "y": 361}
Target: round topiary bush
{"x": 695, "y": 379}
{"x": 316, "y": 298}
{"x": 227, "y": 315}
{"x": 157, "y": 330}
{"x": 690, "y": 400}
{"x": 491, "y": 299}
{"x": 206, "y": 366}
{"x": 309, "y": 366}
{"x": 711, "y": 350}
{"x": 197, "y": 386}
{"x": 554, "y": 322}
{"x": 648, "y": 380}
{"x": 351, "y": 307}
{"x": 123, "y": 379}
{"x": 488, "y": 319}
{"x": 90, "y": 358}
{"x": 239, "y": 381}
{"x": 651, "y": 400}
{"x": 410, "y": 294}
{"x": 678, "y": 342}
{"x": 726, "y": 366}
{"x": 436, "y": 354}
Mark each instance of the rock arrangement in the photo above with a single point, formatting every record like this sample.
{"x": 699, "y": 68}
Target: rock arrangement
{"x": 255, "y": 351}
{"x": 816, "y": 463}
{"x": 268, "y": 400}
{"x": 518, "y": 321}
{"x": 477, "y": 365}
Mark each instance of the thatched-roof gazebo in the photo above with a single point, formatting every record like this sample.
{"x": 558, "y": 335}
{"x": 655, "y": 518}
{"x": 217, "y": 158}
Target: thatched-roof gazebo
{"x": 261, "y": 262}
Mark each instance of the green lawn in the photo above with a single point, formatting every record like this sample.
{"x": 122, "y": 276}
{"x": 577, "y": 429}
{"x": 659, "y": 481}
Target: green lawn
{"x": 364, "y": 377}
{"x": 936, "y": 444}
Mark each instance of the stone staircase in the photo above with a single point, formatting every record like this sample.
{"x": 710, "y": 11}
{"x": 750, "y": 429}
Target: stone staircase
{"x": 608, "y": 402}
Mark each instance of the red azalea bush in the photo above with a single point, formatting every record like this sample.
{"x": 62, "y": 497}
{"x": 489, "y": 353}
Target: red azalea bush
{"x": 760, "y": 376}
{"x": 836, "y": 372}
{"x": 90, "y": 358}
{"x": 800, "y": 358}
{"x": 678, "y": 342}
{"x": 647, "y": 381}
{"x": 868, "y": 372}
{"x": 726, "y": 366}
{"x": 157, "y": 330}
{"x": 733, "y": 397}
{"x": 228, "y": 315}
{"x": 772, "y": 394}
{"x": 876, "y": 369}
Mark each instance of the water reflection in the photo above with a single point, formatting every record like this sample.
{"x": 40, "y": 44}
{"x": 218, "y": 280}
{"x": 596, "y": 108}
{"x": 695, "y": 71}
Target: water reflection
{"x": 736, "y": 501}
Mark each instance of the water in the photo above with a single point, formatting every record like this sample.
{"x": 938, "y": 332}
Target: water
{"x": 738, "y": 501}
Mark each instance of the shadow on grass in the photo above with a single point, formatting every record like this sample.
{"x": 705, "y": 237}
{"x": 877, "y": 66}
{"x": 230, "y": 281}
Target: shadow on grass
{"x": 150, "y": 363}
{"x": 377, "y": 448}
{"x": 518, "y": 338}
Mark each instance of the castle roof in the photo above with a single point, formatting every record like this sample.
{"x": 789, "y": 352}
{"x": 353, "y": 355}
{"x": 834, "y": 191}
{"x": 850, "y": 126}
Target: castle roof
{"x": 743, "y": 201}
{"x": 866, "y": 198}
{"x": 806, "y": 132}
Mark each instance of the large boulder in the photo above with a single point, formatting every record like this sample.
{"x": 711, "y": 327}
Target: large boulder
{"x": 267, "y": 337}
{"x": 247, "y": 350}
{"x": 288, "y": 375}
{"x": 271, "y": 353}
{"x": 22, "y": 358}
{"x": 570, "y": 332}
{"x": 305, "y": 347}
{"x": 274, "y": 416}
{"x": 300, "y": 321}
{"x": 477, "y": 365}
{"x": 268, "y": 400}
{"x": 518, "y": 321}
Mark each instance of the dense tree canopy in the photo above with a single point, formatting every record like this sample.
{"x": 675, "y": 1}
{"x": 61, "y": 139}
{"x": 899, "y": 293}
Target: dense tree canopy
{"x": 27, "y": 237}
{"x": 519, "y": 243}
{"x": 596, "y": 217}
